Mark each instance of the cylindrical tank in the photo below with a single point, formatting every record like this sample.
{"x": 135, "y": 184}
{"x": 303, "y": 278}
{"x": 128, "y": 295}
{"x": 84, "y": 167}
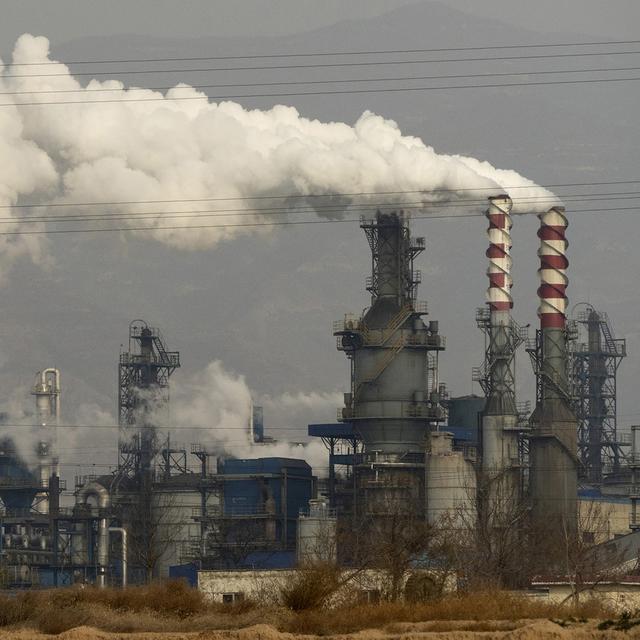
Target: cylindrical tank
{"x": 451, "y": 483}
{"x": 317, "y": 534}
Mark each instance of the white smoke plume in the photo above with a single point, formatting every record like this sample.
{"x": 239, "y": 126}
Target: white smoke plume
{"x": 214, "y": 407}
{"x": 142, "y": 145}
{"x": 25, "y": 170}
{"x": 87, "y": 434}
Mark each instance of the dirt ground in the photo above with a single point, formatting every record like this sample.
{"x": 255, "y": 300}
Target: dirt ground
{"x": 444, "y": 630}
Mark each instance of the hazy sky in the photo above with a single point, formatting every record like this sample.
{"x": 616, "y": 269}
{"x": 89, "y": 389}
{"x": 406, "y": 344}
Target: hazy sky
{"x": 68, "y": 19}
{"x": 263, "y": 304}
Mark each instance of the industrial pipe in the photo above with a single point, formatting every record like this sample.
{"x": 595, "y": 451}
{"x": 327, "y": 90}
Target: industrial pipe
{"x": 123, "y": 532}
{"x": 104, "y": 501}
{"x": 47, "y": 394}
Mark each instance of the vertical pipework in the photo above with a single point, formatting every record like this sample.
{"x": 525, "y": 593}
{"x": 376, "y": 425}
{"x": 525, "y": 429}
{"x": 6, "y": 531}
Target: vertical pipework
{"x": 553, "y": 448}
{"x": 47, "y": 399}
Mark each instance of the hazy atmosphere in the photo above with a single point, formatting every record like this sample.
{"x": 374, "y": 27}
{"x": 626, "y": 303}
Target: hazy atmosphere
{"x": 261, "y": 301}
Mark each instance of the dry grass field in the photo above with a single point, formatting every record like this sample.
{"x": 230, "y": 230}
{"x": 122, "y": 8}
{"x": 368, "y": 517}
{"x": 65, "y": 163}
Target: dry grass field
{"x": 171, "y": 610}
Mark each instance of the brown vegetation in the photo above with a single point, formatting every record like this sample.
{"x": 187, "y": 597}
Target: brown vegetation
{"x": 173, "y": 607}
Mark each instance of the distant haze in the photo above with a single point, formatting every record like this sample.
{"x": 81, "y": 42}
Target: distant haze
{"x": 262, "y": 304}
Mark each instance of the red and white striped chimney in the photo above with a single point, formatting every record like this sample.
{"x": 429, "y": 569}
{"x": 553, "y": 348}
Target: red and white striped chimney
{"x": 499, "y": 254}
{"x": 553, "y": 268}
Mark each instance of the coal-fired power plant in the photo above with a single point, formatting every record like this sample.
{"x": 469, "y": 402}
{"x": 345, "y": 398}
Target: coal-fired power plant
{"x": 482, "y": 468}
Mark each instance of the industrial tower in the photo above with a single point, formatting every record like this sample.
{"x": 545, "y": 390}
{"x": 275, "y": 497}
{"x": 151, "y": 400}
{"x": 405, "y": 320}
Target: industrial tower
{"x": 553, "y": 477}
{"x": 500, "y": 442}
{"x": 395, "y": 396}
{"x": 143, "y": 391}
{"x": 47, "y": 395}
{"x": 595, "y": 358}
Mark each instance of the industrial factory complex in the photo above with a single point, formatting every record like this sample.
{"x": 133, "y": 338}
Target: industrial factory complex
{"x": 401, "y": 444}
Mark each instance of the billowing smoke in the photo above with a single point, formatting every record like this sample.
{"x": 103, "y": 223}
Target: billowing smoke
{"x": 25, "y": 171}
{"x": 86, "y": 432}
{"x": 142, "y": 145}
{"x": 214, "y": 408}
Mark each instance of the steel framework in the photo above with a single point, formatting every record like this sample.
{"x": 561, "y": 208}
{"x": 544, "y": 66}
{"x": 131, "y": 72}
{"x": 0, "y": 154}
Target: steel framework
{"x": 595, "y": 357}
{"x": 143, "y": 392}
{"x": 392, "y": 266}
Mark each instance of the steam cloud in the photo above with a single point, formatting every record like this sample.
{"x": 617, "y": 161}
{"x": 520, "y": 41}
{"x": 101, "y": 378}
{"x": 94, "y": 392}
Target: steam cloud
{"x": 217, "y": 403}
{"x": 211, "y": 408}
{"x": 167, "y": 149}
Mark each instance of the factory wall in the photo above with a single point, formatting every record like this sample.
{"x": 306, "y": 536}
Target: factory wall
{"x": 266, "y": 586}
{"x": 263, "y": 486}
{"x": 603, "y": 518}
{"x": 173, "y": 513}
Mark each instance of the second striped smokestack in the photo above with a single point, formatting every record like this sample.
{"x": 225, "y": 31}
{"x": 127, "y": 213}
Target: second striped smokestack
{"x": 553, "y": 443}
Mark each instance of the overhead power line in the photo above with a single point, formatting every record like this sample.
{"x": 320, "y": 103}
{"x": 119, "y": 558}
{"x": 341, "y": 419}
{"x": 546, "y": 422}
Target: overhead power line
{"x": 328, "y": 65}
{"x": 301, "y": 196}
{"x": 127, "y": 91}
{"x": 315, "y": 210}
{"x": 277, "y": 223}
{"x": 323, "y": 93}
{"x": 335, "y": 53}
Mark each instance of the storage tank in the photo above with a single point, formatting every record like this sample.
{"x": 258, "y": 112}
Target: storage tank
{"x": 317, "y": 533}
{"x": 451, "y": 482}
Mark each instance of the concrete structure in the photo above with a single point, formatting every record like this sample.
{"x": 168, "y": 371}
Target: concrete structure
{"x": 394, "y": 399}
{"x": 451, "y": 483}
{"x": 553, "y": 442}
{"x": 265, "y": 586}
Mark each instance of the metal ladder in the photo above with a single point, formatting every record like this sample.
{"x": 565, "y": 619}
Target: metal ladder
{"x": 393, "y": 351}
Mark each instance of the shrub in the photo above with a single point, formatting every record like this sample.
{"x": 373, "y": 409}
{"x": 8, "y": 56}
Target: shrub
{"x": 311, "y": 587}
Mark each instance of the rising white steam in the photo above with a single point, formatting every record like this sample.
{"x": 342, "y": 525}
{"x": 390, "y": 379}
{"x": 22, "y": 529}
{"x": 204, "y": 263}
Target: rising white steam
{"x": 164, "y": 149}
{"x": 25, "y": 171}
{"x": 214, "y": 406}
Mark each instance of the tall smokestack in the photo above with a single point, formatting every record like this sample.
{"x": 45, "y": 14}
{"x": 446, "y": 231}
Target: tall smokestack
{"x": 553, "y": 448}
{"x": 500, "y": 419}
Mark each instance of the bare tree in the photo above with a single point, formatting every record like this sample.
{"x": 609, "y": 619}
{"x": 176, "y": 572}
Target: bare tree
{"x": 397, "y": 542}
{"x": 584, "y": 564}
{"x": 489, "y": 535}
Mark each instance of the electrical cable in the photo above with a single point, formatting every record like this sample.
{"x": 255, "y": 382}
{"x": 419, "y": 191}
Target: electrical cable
{"x": 328, "y": 65}
{"x": 336, "y": 53}
{"x": 490, "y": 190}
{"x": 268, "y": 211}
{"x": 278, "y": 223}
{"x": 320, "y": 93}
{"x": 87, "y": 90}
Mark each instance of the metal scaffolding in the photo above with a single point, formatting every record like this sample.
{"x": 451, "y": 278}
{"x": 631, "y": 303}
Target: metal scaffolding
{"x": 143, "y": 391}
{"x": 595, "y": 357}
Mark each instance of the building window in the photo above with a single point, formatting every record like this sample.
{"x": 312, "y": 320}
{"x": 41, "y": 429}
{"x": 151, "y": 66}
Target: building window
{"x": 369, "y": 596}
{"x": 232, "y": 598}
{"x": 588, "y": 537}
